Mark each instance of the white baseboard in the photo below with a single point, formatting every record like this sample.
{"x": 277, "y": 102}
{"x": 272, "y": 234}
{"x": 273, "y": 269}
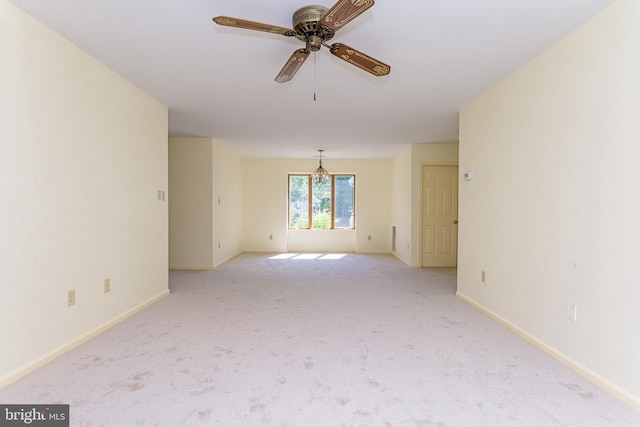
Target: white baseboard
{"x": 204, "y": 267}
{"x": 408, "y": 264}
{"x": 40, "y": 362}
{"x": 191, "y": 267}
{"x": 229, "y": 258}
{"x": 611, "y": 388}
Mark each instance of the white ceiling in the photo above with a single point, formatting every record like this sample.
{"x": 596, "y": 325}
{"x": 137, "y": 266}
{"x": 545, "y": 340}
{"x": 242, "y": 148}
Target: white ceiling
{"x": 218, "y": 81}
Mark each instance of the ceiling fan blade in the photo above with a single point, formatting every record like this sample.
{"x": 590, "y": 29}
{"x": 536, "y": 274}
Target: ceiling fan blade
{"x": 293, "y": 65}
{"x": 343, "y": 12}
{"x": 251, "y": 25}
{"x": 360, "y": 60}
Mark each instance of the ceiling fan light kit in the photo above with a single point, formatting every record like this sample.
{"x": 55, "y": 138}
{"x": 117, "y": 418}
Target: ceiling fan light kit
{"x": 315, "y": 26}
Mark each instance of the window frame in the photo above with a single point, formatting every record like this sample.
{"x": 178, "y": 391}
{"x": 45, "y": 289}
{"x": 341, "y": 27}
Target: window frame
{"x": 310, "y": 201}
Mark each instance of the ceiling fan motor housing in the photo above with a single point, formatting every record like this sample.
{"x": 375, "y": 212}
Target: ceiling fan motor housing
{"x": 305, "y": 23}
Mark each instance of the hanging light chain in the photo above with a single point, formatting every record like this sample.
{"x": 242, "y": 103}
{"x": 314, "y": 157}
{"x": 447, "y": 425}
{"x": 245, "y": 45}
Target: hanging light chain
{"x": 315, "y": 63}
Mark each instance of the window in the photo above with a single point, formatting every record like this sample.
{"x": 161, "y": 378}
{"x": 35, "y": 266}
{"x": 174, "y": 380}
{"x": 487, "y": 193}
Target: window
{"x": 329, "y": 206}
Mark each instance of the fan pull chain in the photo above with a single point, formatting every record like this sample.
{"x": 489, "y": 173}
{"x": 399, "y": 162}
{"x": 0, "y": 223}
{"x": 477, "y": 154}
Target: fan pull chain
{"x": 315, "y": 58}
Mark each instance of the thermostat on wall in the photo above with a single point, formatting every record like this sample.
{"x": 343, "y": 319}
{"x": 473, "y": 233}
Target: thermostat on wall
{"x": 467, "y": 176}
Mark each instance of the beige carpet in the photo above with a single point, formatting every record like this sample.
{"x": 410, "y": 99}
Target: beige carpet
{"x": 358, "y": 340}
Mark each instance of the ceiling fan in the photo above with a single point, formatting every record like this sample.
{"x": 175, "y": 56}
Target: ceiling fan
{"x": 315, "y": 25}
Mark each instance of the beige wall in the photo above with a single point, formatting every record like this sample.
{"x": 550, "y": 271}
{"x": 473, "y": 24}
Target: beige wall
{"x": 206, "y": 203}
{"x": 228, "y": 203}
{"x": 406, "y": 184}
{"x": 552, "y": 211}
{"x": 266, "y": 187}
{"x": 401, "y": 204}
{"x": 190, "y": 203}
{"x": 83, "y": 154}
{"x": 387, "y": 194}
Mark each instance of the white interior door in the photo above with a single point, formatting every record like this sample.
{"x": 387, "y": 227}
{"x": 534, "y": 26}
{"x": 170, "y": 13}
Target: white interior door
{"x": 439, "y": 242}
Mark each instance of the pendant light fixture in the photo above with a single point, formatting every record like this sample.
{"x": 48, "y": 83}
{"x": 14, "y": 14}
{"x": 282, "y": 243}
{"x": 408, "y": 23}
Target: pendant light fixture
{"x": 320, "y": 175}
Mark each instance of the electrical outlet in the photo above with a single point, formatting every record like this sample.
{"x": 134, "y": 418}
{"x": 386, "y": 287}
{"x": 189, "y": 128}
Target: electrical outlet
{"x": 270, "y": 236}
{"x": 107, "y": 285}
{"x": 572, "y": 312}
{"x": 71, "y": 297}
{"x": 369, "y": 237}
{"x": 484, "y": 277}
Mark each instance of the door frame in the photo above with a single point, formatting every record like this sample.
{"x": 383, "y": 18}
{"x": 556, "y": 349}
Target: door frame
{"x": 421, "y": 219}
